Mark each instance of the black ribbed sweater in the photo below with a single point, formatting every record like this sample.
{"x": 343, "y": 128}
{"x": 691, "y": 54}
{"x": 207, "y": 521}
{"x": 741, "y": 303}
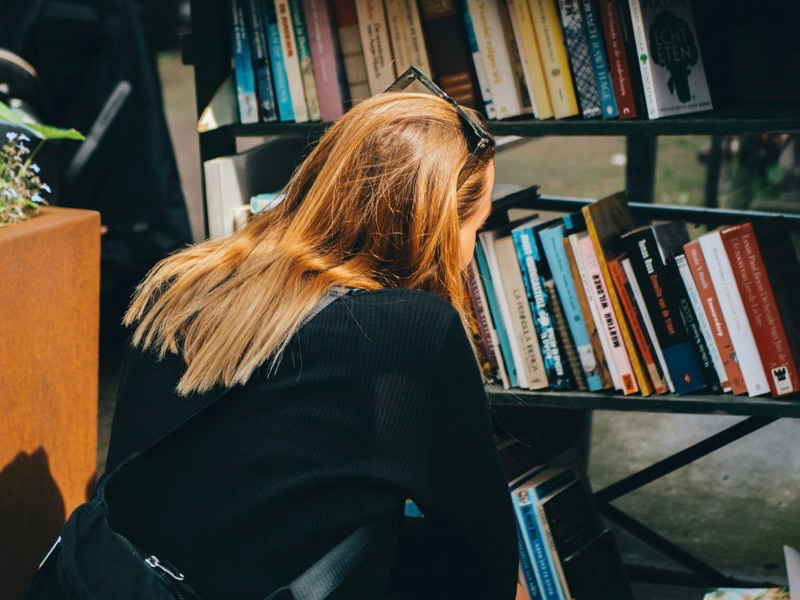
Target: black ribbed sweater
{"x": 377, "y": 399}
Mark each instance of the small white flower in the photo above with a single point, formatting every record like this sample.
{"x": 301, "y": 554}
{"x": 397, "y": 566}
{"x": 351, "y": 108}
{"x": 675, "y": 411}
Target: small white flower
{"x": 35, "y": 168}
{"x": 24, "y": 138}
{"x": 23, "y": 148}
{"x": 46, "y": 188}
{"x": 11, "y": 136}
{"x": 37, "y": 198}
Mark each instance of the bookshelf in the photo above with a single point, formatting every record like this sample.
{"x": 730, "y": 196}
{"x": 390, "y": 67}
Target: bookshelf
{"x": 751, "y": 56}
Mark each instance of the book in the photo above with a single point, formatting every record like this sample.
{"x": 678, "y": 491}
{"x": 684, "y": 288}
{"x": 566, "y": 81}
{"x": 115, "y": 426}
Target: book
{"x": 480, "y": 310}
{"x": 748, "y": 594}
{"x": 534, "y": 275}
{"x": 730, "y": 302}
{"x": 633, "y": 314}
{"x": 569, "y": 515}
{"x": 617, "y": 56}
{"x": 670, "y": 64}
{"x": 533, "y": 70}
{"x": 291, "y": 61}
{"x": 304, "y": 57}
{"x": 477, "y": 61}
{"x": 580, "y": 61}
{"x": 352, "y": 55}
{"x": 448, "y": 51}
{"x": 607, "y": 322}
{"x": 375, "y": 44}
{"x": 662, "y": 305}
{"x": 705, "y": 327}
{"x": 564, "y": 340}
{"x": 553, "y": 248}
{"x": 554, "y": 57}
{"x": 526, "y": 577}
{"x": 597, "y": 52}
{"x": 405, "y": 31}
{"x": 521, "y": 319}
{"x": 761, "y": 308}
{"x": 280, "y": 76}
{"x": 329, "y": 75}
{"x": 716, "y": 320}
{"x": 257, "y": 35}
{"x": 606, "y": 220}
{"x": 596, "y": 572}
{"x": 243, "y": 65}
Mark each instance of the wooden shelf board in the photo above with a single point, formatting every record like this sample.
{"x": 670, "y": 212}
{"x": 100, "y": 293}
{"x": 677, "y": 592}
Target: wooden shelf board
{"x": 723, "y": 404}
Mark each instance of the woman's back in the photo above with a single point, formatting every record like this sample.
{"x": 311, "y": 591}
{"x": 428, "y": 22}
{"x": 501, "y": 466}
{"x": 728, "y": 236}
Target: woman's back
{"x": 376, "y": 400}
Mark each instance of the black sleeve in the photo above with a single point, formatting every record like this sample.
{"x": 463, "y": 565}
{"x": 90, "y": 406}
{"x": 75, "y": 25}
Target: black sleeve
{"x": 470, "y": 532}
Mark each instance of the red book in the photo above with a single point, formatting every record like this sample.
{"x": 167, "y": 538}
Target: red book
{"x": 617, "y": 58}
{"x": 762, "y": 310}
{"x": 716, "y": 320}
{"x": 643, "y": 343}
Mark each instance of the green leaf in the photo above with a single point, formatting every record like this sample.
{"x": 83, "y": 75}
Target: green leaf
{"x": 11, "y": 116}
{"x": 8, "y": 115}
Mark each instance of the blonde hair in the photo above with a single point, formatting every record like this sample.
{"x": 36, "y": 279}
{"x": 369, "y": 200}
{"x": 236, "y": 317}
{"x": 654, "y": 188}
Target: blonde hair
{"x": 374, "y": 206}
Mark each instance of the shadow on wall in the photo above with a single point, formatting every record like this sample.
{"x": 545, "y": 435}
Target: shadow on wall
{"x": 32, "y": 514}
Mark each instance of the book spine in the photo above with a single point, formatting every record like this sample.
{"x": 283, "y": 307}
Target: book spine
{"x": 692, "y": 325}
{"x": 477, "y": 59}
{"x": 579, "y": 59}
{"x": 547, "y": 536}
{"x": 605, "y": 368}
{"x": 449, "y": 51}
{"x": 761, "y": 309}
{"x": 481, "y": 318}
{"x": 702, "y": 320}
{"x": 634, "y": 321}
{"x": 730, "y": 302}
{"x": 498, "y": 311}
{"x": 279, "y": 73}
{"x": 553, "y": 247}
{"x": 602, "y": 76}
{"x": 304, "y": 58}
{"x": 243, "y": 66}
{"x": 520, "y": 313}
{"x": 554, "y": 57}
{"x": 714, "y": 316}
{"x": 257, "y": 34}
{"x": 485, "y": 16}
{"x": 494, "y": 338}
{"x": 640, "y": 38}
{"x": 563, "y": 338}
{"x": 651, "y": 275}
{"x": 375, "y": 44}
{"x": 291, "y": 61}
{"x": 533, "y": 69}
{"x": 608, "y": 318}
{"x": 352, "y": 55}
{"x": 526, "y": 568}
{"x": 537, "y": 550}
{"x": 329, "y": 75}
{"x": 405, "y": 29}
{"x": 644, "y": 316}
{"x": 529, "y": 263}
{"x": 517, "y": 68}
{"x": 617, "y": 58}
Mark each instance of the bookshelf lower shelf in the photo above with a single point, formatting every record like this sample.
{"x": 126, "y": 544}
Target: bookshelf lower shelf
{"x": 723, "y": 404}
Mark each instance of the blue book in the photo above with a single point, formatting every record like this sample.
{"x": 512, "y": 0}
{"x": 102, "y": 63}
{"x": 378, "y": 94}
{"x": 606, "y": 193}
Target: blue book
{"x": 494, "y": 311}
{"x": 243, "y": 66}
{"x": 279, "y": 75}
{"x": 533, "y": 276}
{"x": 597, "y": 52}
{"x": 527, "y": 567}
{"x": 553, "y": 248}
{"x": 257, "y": 34}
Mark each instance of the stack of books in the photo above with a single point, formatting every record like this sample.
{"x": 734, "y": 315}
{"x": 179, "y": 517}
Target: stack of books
{"x": 590, "y": 302}
{"x": 309, "y": 60}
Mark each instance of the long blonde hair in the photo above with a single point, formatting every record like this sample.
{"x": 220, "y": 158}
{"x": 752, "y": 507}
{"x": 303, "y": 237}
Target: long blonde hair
{"x": 374, "y": 206}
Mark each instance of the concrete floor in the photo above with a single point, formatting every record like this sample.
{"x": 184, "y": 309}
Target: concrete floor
{"x": 734, "y": 508}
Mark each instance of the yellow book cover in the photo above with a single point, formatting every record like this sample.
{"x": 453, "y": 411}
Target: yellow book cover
{"x": 531, "y": 59}
{"x": 606, "y": 220}
{"x": 553, "y": 52}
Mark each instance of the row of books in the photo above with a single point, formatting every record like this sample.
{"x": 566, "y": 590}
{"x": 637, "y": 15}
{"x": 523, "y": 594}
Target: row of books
{"x": 307, "y": 60}
{"x": 589, "y": 302}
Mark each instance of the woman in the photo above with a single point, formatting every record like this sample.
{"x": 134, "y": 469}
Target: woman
{"x": 334, "y": 424}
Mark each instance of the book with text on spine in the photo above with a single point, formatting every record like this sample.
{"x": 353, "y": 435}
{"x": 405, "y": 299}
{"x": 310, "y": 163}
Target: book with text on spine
{"x": 243, "y": 65}
{"x": 291, "y": 61}
{"x": 352, "y": 55}
{"x": 533, "y": 70}
{"x": 257, "y": 34}
{"x": 408, "y": 41}
{"x": 326, "y": 60}
{"x": 580, "y": 61}
{"x": 304, "y": 57}
{"x": 488, "y": 338}
{"x": 564, "y": 339}
{"x": 597, "y": 52}
{"x": 279, "y": 74}
{"x": 620, "y": 73}
{"x": 477, "y": 61}
{"x": 376, "y": 45}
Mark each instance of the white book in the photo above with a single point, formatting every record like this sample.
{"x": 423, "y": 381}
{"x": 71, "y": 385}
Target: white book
{"x": 601, "y": 327}
{"x": 487, "y": 239}
{"x": 648, "y": 323}
{"x": 291, "y": 61}
{"x": 408, "y": 42}
{"x": 375, "y": 44}
{"x": 730, "y": 302}
{"x": 225, "y": 194}
{"x": 702, "y": 320}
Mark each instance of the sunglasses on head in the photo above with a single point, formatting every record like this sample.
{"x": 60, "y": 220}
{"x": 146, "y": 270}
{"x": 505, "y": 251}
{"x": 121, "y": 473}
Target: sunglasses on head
{"x": 478, "y": 139}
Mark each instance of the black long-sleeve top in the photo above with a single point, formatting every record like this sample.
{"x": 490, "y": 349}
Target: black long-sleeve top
{"x": 377, "y": 399}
